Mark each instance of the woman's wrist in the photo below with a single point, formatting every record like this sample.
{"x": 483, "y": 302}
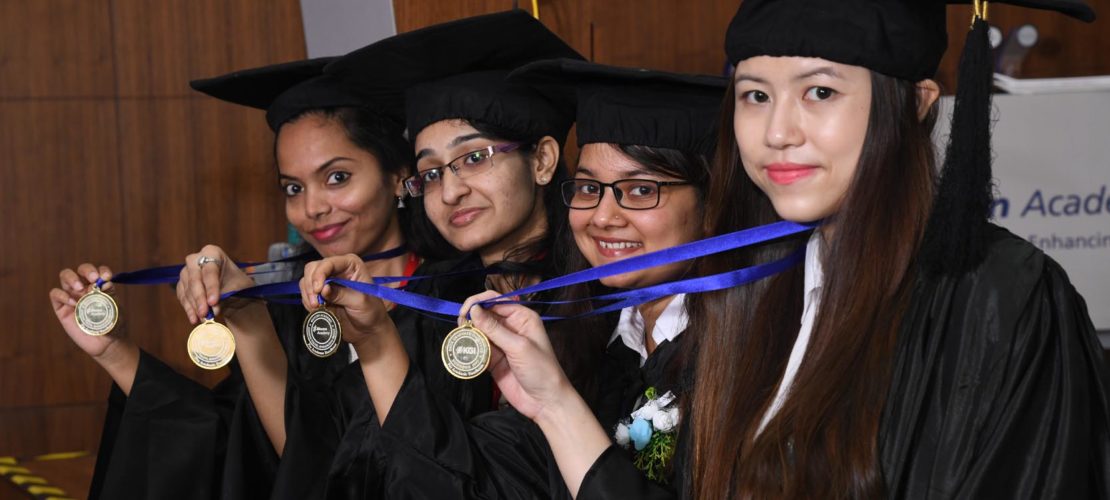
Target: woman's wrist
{"x": 566, "y": 409}
{"x": 243, "y": 315}
{"x": 575, "y": 436}
{"x": 380, "y": 340}
{"x": 121, "y": 360}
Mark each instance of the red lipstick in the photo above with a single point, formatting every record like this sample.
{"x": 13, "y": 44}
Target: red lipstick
{"x": 789, "y": 173}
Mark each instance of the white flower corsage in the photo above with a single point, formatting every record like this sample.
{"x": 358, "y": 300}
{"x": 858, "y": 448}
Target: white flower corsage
{"x": 651, "y": 432}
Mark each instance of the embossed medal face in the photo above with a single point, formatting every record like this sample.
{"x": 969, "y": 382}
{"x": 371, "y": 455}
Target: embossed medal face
{"x": 466, "y": 352}
{"x": 96, "y": 313}
{"x": 322, "y": 333}
{"x": 211, "y": 345}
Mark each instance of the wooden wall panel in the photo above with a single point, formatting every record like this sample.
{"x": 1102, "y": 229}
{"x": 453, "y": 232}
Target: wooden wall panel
{"x": 160, "y": 46}
{"x": 61, "y": 206}
{"x": 115, "y": 160}
{"x": 55, "y": 48}
{"x": 227, "y": 140}
{"x": 673, "y": 35}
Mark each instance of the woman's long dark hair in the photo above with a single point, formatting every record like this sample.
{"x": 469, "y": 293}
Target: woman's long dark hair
{"x": 822, "y": 443}
{"x": 580, "y": 344}
{"x": 384, "y": 138}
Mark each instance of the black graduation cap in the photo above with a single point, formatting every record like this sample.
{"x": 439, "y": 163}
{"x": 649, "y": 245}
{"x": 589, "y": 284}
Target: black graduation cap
{"x": 633, "y": 106}
{"x": 458, "y": 70}
{"x": 288, "y": 89}
{"x": 905, "y": 39}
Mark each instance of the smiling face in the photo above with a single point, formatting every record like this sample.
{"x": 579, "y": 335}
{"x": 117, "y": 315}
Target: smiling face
{"x": 335, "y": 193}
{"x": 800, "y": 124}
{"x": 609, "y": 232}
{"x": 492, "y": 211}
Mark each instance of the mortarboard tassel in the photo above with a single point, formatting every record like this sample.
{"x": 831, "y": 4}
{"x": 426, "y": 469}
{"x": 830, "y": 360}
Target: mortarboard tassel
{"x": 955, "y": 239}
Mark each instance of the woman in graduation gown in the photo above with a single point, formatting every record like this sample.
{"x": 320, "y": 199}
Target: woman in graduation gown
{"x": 489, "y": 161}
{"x": 921, "y": 352}
{"x": 637, "y": 188}
{"x": 166, "y": 436}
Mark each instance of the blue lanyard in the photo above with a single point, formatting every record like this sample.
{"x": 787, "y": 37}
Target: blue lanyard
{"x": 170, "y": 274}
{"x": 626, "y": 298}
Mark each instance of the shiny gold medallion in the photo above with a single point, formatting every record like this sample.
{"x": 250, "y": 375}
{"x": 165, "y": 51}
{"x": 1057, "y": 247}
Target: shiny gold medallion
{"x": 96, "y": 312}
{"x": 321, "y": 333}
{"x": 211, "y": 345}
{"x": 466, "y": 352}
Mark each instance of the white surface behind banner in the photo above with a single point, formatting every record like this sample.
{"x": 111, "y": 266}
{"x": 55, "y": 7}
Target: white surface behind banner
{"x": 1052, "y": 172}
{"x": 336, "y": 27}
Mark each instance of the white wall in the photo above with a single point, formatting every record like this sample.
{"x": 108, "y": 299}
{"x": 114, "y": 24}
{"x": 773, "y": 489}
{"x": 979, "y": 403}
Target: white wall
{"x": 335, "y": 27}
{"x": 1052, "y": 171}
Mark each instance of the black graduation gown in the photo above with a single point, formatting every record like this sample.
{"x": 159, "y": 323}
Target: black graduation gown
{"x": 332, "y": 427}
{"x": 999, "y": 390}
{"x": 174, "y": 438}
{"x": 430, "y": 451}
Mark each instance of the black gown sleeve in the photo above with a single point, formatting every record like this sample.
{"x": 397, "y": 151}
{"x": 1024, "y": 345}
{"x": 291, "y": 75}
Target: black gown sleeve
{"x": 999, "y": 388}
{"x": 427, "y": 449}
{"x": 614, "y": 477}
{"x": 166, "y": 440}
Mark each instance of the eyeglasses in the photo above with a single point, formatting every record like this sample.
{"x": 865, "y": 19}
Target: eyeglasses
{"x": 633, "y": 194}
{"x": 472, "y": 163}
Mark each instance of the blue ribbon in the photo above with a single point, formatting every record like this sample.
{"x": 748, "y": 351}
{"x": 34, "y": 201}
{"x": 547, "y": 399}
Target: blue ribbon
{"x": 626, "y": 298}
{"x": 170, "y": 274}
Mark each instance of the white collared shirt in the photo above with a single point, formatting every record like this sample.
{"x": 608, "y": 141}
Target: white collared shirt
{"x": 814, "y": 281}
{"x": 671, "y": 322}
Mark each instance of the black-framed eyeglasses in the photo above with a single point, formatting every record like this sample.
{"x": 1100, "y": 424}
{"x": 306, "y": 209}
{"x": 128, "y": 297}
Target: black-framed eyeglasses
{"x": 466, "y": 165}
{"x": 633, "y": 194}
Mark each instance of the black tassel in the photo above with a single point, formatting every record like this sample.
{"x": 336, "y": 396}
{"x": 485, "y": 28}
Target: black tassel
{"x": 955, "y": 239}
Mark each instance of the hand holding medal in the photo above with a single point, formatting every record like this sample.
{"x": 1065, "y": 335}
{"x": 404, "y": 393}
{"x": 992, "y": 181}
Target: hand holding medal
{"x": 521, "y": 359}
{"x": 205, "y": 276}
{"x": 322, "y": 331}
{"x": 85, "y": 307}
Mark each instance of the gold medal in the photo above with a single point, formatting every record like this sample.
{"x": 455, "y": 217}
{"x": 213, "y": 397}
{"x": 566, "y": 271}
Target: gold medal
{"x": 211, "y": 345}
{"x": 321, "y": 333}
{"x": 466, "y": 352}
{"x": 96, "y": 312}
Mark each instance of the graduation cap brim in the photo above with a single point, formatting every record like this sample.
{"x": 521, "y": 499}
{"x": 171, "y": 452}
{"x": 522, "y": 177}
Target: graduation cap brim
{"x": 287, "y": 90}
{"x": 259, "y": 87}
{"x": 632, "y": 105}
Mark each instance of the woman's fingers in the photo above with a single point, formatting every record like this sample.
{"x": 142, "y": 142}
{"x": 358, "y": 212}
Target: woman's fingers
{"x": 60, "y": 300}
{"x": 210, "y": 282}
{"x": 105, "y": 273}
{"x": 183, "y": 297}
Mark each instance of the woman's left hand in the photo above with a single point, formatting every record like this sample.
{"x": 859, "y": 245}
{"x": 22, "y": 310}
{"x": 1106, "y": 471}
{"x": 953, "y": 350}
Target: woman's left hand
{"x": 363, "y": 315}
{"x": 522, "y": 360}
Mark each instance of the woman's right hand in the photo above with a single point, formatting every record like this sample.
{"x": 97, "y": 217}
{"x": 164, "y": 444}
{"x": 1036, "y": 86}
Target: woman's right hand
{"x": 117, "y": 355}
{"x": 74, "y": 285}
{"x": 200, "y": 286}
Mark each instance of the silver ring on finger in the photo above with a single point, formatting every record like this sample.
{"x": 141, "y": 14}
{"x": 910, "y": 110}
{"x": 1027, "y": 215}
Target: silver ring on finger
{"x": 204, "y": 259}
